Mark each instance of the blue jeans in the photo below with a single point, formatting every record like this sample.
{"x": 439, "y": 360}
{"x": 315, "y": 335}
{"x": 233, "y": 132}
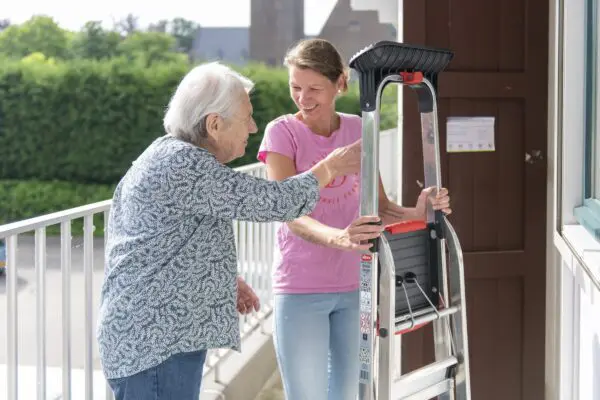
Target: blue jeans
{"x": 316, "y": 338}
{"x": 177, "y": 378}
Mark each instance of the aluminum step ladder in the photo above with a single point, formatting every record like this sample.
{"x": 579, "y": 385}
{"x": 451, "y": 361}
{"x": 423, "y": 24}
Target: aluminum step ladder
{"x": 405, "y": 279}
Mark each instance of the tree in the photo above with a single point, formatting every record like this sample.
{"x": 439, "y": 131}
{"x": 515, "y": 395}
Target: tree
{"x": 160, "y": 26}
{"x": 93, "y": 41}
{"x": 149, "y": 47}
{"x": 4, "y": 23}
{"x": 128, "y": 25}
{"x": 163, "y": 41}
{"x": 185, "y": 32}
{"x": 39, "y": 34}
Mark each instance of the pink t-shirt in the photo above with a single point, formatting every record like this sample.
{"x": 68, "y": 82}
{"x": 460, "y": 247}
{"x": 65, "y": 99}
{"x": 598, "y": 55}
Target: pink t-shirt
{"x": 301, "y": 266}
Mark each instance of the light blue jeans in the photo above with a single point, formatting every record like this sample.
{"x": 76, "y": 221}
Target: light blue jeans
{"x": 316, "y": 338}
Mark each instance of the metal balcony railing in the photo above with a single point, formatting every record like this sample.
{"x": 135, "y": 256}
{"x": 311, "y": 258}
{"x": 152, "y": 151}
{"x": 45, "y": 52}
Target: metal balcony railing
{"x": 255, "y": 243}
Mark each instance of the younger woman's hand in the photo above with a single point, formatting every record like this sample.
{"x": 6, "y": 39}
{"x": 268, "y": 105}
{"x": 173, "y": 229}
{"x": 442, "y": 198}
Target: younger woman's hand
{"x": 355, "y": 236}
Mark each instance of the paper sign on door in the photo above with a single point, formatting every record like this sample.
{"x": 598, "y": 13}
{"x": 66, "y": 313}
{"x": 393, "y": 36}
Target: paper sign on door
{"x": 469, "y": 134}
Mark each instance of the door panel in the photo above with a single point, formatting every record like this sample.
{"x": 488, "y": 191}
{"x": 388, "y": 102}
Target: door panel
{"x": 499, "y": 70}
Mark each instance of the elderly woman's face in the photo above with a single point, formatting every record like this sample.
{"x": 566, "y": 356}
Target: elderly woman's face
{"x": 229, "y": 138}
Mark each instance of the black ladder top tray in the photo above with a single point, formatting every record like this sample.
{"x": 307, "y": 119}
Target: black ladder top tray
{"x": 398, "y": 57}
{"x": 379, "y": 60}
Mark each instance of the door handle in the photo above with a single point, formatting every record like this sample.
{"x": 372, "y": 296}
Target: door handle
{"x": 534, "y": 156}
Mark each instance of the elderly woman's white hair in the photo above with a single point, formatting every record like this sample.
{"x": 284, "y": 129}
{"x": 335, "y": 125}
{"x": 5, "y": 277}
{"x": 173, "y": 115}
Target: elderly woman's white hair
{"x": 206, "y": 89}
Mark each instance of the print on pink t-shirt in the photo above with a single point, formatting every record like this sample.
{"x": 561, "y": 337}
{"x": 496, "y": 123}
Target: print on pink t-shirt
{"x": 301, "y": 266}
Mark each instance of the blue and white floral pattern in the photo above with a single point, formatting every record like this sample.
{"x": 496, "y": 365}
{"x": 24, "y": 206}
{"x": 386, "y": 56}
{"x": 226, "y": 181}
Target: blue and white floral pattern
{"x": 170, "y": 281}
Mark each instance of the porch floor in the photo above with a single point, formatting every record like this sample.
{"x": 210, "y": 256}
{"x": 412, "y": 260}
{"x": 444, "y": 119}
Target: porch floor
{"x": 273, "y": 389}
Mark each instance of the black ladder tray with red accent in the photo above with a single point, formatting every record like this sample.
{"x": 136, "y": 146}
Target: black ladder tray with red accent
{"x": 415, "y": 253}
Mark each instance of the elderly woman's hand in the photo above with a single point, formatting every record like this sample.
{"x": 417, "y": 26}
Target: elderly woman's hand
{"x": 345, "y": 160}
{"x": 246, "y": 298}
{"x": 341, "y": 161}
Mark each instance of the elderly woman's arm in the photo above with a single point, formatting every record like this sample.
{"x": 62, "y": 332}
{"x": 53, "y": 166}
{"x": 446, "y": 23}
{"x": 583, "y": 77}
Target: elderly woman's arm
{"x": 231, "y": 194}
{"x": 202, "y": 185}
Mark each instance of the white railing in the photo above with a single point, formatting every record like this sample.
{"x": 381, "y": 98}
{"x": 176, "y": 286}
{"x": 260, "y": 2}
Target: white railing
{"x": 255, "y": 243}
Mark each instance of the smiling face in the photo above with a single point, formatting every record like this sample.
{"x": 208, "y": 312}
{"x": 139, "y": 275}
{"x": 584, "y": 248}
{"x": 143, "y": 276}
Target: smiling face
{"x": 316, "y": 76}
{"x": 229, "y": 137}
{"x": 313, "y": 93}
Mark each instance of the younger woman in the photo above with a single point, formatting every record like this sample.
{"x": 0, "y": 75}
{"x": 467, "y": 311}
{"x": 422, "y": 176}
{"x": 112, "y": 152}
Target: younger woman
{"x": 316, "y": 271}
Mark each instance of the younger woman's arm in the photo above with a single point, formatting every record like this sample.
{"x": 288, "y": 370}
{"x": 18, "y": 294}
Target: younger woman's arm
{"x": 280, "y": 167}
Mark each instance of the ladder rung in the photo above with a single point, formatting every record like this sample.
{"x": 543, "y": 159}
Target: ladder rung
{"x": 401, "y": 326}
{"x": 424, "y": 378}
{"x": 430, "y": 392}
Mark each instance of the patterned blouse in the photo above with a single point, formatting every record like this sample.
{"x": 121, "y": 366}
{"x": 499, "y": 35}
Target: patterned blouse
{"x": 171, "y": 267}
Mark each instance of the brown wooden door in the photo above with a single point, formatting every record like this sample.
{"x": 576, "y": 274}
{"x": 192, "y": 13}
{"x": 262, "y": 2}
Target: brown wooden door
{"x": 499, "y": 200}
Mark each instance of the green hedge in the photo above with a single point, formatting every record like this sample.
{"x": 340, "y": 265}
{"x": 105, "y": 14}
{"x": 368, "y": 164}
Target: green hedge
{"x": 83, "y": 121}
{"x": 27, "y": 199}
{"x": 86, "y": 121}
{"x": 68, "y": 131}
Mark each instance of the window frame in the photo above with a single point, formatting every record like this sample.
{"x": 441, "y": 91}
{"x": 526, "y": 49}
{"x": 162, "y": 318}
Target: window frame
{"x": 571, "y": 215}
{"x": 588, "y": 213}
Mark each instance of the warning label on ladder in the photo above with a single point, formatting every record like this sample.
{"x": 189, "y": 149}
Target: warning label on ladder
{"x": 366, "y": 321}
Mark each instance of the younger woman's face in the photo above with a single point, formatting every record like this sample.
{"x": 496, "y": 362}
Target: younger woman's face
{"x": 312, "y": 92}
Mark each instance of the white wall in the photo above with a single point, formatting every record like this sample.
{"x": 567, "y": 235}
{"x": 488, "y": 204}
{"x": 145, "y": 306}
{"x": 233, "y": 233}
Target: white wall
{"x": 388, "y": 162}
{"x": 579, "y": 327}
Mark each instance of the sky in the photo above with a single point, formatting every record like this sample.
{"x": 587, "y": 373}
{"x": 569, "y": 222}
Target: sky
{"x": 208, "y": 13}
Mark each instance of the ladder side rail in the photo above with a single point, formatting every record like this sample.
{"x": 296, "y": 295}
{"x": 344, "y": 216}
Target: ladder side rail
{"x": 459, "y": 325}
{"x": 369, "y": 205}
{"x": 369, "y": 202}
{"x": 387, "y": 315}
{"x": 433, "y": 177}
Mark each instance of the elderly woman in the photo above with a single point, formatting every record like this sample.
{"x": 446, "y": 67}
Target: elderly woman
{"x": 171, "y": 288}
